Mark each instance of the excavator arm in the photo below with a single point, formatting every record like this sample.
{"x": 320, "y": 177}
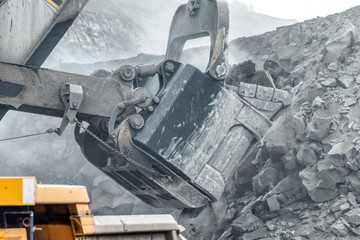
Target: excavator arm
{"x": 169, "y": 133}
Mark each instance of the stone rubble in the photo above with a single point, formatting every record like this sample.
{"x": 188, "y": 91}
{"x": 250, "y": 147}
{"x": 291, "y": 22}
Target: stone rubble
{"x": 307, "y": 183}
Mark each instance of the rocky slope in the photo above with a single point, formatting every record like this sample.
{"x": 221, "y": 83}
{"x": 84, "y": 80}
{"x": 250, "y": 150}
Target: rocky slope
{"x": 98, "y": 37}
{"x": 303, "y": 182}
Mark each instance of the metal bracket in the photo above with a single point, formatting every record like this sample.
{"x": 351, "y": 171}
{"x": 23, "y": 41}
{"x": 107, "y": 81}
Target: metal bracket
{"x": 72, "y": 96}
{"x": 211, "y": 18}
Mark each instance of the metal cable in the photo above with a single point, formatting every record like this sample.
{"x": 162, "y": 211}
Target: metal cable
{"x": 30, "y": 135}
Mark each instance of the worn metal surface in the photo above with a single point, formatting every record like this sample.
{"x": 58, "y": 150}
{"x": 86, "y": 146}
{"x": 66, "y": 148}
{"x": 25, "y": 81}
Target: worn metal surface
{"x": 211, "y": 18}
{"x": 199, "y": 131}
{"x": 30, "y": 29}
{"x": 170, "y": 191}
{"x": 39, "y": 91}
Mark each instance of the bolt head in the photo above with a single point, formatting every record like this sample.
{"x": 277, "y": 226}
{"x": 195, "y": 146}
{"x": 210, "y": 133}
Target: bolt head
{"x": 127, "y": 73}
{"x": 169, "y": 67}
{"x": 137, "y": 122}
{"x": 221, "y": 70}
{"x": 150, "y": 108}
{"x": 156, "y": 100}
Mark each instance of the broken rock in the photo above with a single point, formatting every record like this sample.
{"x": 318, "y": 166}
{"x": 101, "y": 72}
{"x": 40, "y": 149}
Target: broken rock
{"x": 285, "y": 53}
{"x": 265, "y": 180}
{"x": 273, "y": 203}
{"x": 354, "y": 181}
{"x": 333, "y": 66}
{"x": 339, "y": 229}
{"x": 346, "y": 81}
{"x": 319, "y": 126}
{"x": 299, "y": 128}
{"x": 328, "y": 177}
{"x": 306, "y": 156}
{"x": 350, "y": 102}
{"x": 342, "y": 152}
{"x": 353, "y": 217}
{"x": 337, "y": 49}
{"x": 330, "y": 82}
{"x": 317, "y": 103}
{"x": 306, "y": 231}
{"x": 314, "y": 186}
{"x": 244, "y": 223}
{"x": 289, "y": 160}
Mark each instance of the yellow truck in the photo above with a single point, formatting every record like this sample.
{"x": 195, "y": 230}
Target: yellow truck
{"x": 31, "y": 210}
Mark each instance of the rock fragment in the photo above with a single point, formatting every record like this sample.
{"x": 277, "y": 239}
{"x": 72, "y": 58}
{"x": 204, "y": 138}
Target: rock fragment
{"x": 327, "y": 175}
{"x": 319, "y": 125}
{"x": 273, "y": 203}
{"x": 299, "y": 128}
{"x": 306, "y": 156}
{"x": 333, "y": 66}
{"x": 354, "y": 182}
{"x": 285, "y": 53}
{"x": 339, "y": 229}
{"x": 267, "y": 178}
{"x": 337, "y": 49}
{"x": 346, "y": 81}
{"x": 350, "y": 102}
{"x": 330, "y": 82}
{"x": 306, "y": 231}
{"x": 317, "y": 188}
{"x": 352, "y": 199}
{"x": 244, "y": 223}
{"x": 289, "y": 160}
{"x": 341, "y": 153}
{"x": 257, "y": 234}
{"x": 353, "y": 217}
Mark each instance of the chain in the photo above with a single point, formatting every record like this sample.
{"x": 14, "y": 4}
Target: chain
{"x": 120, "y": 154}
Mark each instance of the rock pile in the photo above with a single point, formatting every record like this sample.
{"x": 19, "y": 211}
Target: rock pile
{"x": 306, "y": 181}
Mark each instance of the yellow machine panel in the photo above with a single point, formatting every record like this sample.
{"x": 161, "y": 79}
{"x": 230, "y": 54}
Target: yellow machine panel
{"x": 17, "y": 191}
{"x": 56, "y": 3}
{"x": 13, "y": 234}
{"x": 61, "y": 212}
{"x": 61, "y": 194}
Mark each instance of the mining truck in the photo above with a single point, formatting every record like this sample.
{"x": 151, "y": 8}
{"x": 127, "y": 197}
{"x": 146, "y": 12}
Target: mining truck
{"x": 31, "y": 210}
{"x": 169, "y": 133}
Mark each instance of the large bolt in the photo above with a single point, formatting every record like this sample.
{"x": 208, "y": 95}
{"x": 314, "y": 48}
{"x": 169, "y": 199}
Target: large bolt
{"x": 221, "y": 70}
{"x": 128, "y": 72}
{"x": 156, "y": 100}
{"x": 169, "y": 67}
{"x": 150, "y": 108}
{"x": 137, "y": 122}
